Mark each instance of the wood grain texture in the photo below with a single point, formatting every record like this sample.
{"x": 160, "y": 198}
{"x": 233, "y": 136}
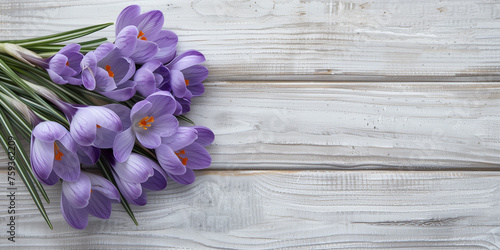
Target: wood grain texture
{"x": 425, "y": 126}
{"x": 276, "y": 209}
{"x": 303, "y": 40}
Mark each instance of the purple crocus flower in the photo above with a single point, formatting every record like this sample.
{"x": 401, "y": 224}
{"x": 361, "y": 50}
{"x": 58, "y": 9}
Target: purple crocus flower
{"x": 89, "y": 194}
{"x": 136, "y": 173}
{"x": 53, "y": 153}
{"x": 151, "y": 77}
{"x": 184, "y": 151}
{"x": 108, "y": 70}
{"x": 91, "y": 125}
{"x": 64, "y": 66}
{"x": 186, "y": 75}
{"x": 150, "y": 120}
{"x": 152, "y": 42}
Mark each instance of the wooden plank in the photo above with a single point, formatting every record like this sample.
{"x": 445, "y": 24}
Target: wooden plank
{"x": 274, "y": 209}
{"x": 388, "y": 40}
{"x": 424, "y": 126}
{"x": 345, "y": 125}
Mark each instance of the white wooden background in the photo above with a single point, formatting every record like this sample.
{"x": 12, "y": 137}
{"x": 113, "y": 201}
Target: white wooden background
{"x": 361, "y": 124}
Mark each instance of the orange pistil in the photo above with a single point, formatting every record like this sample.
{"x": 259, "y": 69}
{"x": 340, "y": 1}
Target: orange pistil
{"x": 141, "y": 36}
{"x": 97, "y": 126}
{"x": 67, "y": 63}
{"x": 184, "y": 160}
{"x": 57, "y": 154}
{"x": 110, "y": 73}
{"x": 145, "y": 122}
{"x": 187, "y": 82}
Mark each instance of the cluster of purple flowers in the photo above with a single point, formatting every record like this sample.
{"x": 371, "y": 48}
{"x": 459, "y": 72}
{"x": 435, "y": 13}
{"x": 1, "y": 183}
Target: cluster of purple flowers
{"x": 142, "y": 60}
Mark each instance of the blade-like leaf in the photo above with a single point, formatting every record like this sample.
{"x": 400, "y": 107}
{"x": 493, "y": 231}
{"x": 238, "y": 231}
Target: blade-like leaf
{"x": 60, "y": 37}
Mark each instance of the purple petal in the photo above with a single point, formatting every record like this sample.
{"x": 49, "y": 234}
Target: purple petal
{"x": 58, "y": 63}
{"x": 186, "y": 178}
{"x": 139, "y": 111}
{"x": 77, "y": 193}
{"x": 77, "y": 218}
{"x": 130, "y": 191}
{"x": 164, "y": 125}
{"x": 56, "y": 77}
{"x": 163, "y": 103}
{"x": 148, "y": 139}
{"x": 126, "y": 40}
{"x": 123, "y": 92}
{"x": 126, "y": 17}
{"x": 42, "y": 158}
{"x": 139, "y": 201}
{"x": 103, "y": 50}
{"x": 146, "y": 84}
{"x": 123, "y": 144}
{"x": 186, "y": 60}
{"x": 122, "y": 111}
{"x": 136, "y": 169}
{"x": 70, "y": 48}
{"x": 99, "y": 206}
{"x": 68, "y": 142}
{"x": 205, "y": 136}
{"x": 182, "y": 138}
{"x": 104, "y": 138}
{"x": 53, "y": 179}
{"x": 169, "y": 161}
{"x": 166, "y": 41}
{"x": 74, "y": 60}
{"x": 144, "y": 51}
{"x": 88, "y": 155}
{"x": 198, "y": 156}
{"x": 89, "y": 70}
{"x": 178, "y": 83}
{"x": 158, "y": 181}
{"x": 150, "y": 23}
{"x": 104, "y": 82}
{"x": 123, "y": 69}
{"x": 68, "y": 167}
{"x": 103, "y": 186}
{"x": 49, "y": 131}
{"x": 83, "y": 128}
{"x": 106, "y": 118}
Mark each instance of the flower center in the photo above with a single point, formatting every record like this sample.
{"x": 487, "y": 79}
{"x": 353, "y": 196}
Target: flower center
{"x": 110, "y": 73}
{"x": 145, "y": 122}
{"x": 57, "y": 154}
{"x": 187, "y": 82}
{"x": 184, "y": 160}
{"x": 67, "y": 63}
{"x": 141, "y": 36}
{"x": 97, "y": 126}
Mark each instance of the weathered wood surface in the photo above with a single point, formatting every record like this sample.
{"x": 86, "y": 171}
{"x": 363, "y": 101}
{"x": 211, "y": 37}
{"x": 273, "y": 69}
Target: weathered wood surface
{"x": 352, "y": 126}
{"x": 303, "y": 40}
{"x": 307, "y": 85}
{"x": 275, "y": 209}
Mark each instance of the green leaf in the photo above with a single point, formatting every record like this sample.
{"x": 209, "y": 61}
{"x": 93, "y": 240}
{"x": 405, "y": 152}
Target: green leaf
{"x": 107, "y": 173}
{"x": 27, "y": 181}
{"x": 184, "y": 118}
{"x": 20, "y": 82}
{"x": 59, "y": 37}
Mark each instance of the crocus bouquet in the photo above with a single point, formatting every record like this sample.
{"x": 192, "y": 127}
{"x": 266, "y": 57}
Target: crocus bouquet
{"x": 116, "y": 106}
